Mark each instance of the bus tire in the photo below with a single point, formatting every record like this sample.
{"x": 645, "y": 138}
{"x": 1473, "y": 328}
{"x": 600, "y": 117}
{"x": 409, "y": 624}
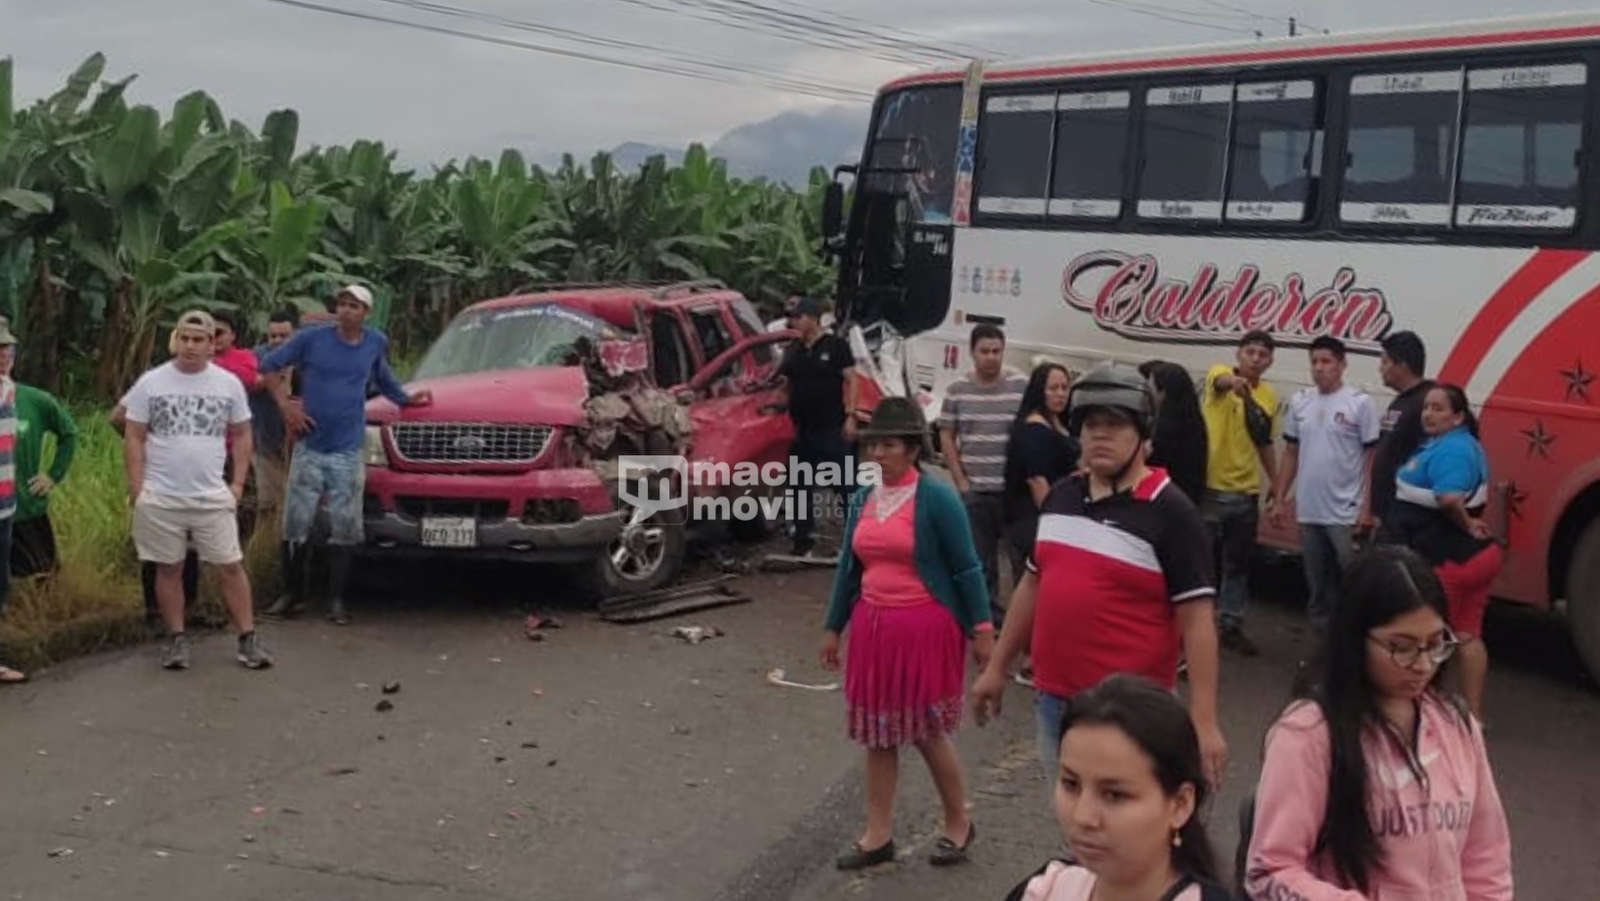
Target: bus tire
{"x": 1583, "y": 598}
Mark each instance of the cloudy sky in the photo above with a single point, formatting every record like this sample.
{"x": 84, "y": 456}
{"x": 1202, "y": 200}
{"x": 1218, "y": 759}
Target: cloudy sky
{"x": 436, "y": 95}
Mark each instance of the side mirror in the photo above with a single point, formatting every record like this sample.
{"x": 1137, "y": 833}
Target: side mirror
{"x": 832, "y": 212}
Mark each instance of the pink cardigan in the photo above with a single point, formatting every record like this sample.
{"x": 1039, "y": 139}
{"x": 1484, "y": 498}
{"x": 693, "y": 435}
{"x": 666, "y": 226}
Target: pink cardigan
{"x": 1443, "y": 838}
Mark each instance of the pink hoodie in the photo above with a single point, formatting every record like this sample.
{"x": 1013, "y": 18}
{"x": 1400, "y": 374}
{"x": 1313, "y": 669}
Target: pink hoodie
{"x": 1442, "y": 839}
{"x": 1062, "y": 881}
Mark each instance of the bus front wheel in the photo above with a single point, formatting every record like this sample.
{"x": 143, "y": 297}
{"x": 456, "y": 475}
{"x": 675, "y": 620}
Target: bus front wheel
{"x": 1583, "y": 598}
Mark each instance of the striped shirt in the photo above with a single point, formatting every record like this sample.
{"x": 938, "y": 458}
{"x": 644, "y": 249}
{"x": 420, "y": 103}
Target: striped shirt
{"x": 1111, "y": 574}
{"x": 981, "y": 417}
{"x": 8, "y": 449}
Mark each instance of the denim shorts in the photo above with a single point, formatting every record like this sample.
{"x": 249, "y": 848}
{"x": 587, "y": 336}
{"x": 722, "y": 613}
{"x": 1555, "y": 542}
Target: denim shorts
{"x": 336, "y": 480}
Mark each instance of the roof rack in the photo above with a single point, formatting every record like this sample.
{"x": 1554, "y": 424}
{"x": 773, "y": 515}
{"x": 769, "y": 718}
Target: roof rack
{"x": 694, "y": 286}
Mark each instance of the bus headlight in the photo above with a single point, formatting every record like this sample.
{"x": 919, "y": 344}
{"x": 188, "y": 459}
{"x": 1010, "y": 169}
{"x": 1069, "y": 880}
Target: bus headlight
{"x": 374, "y": 453}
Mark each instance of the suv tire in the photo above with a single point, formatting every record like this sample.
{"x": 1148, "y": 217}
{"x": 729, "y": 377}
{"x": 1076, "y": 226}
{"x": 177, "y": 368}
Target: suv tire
{"x": 651, "y": 554}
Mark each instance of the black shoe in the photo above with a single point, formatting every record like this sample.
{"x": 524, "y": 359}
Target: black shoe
{"x": 947, "y": 853}
{"x": 338, "y": 575}
{"x": 859, "y": 859}
{"x": 803, "y": 547}
{"x": 290, "y": 602}
{"x": 1232, "y": 638}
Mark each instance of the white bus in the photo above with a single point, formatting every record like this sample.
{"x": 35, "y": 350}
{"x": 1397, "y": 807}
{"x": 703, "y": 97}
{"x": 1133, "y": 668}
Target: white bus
{"x": 1158, "y": 205}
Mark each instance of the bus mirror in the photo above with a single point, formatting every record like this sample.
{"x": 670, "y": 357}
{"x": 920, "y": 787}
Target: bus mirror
{"x": 832, "y": 212}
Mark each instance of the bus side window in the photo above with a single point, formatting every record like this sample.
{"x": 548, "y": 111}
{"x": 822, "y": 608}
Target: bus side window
{"x": 1185, "y": 146}
{"x": 1091, "y": 155}
{"x": 1276, "y": 159}
{"x": 1014, "y": 154}
{"x": 1399, "y": 148}
{"x": 1520, "y": 149}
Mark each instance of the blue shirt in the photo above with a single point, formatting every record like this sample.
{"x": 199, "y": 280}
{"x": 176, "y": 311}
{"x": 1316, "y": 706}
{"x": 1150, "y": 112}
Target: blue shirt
{"x": 334, "y": 377}
{"x": 1452, "y": 463}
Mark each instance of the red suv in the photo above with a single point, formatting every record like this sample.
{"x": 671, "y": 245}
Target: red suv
{"x": 496, "y": 465}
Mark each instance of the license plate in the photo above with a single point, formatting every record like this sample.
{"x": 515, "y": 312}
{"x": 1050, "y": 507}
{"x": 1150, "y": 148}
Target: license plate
{"x": 449, "y": 531}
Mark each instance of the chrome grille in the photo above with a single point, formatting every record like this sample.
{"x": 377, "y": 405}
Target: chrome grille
{"x": 468, "y": 442}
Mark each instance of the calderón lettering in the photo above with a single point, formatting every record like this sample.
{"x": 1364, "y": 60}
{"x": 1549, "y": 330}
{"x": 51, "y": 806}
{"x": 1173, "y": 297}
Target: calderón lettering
{"x": 1127, "y": 295}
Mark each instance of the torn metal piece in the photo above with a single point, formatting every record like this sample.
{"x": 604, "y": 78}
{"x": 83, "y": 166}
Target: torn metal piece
{"x": 790, "y": 561}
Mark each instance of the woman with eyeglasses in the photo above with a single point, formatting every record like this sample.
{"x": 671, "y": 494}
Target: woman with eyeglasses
{"x": 1376, "y": 784}
{"x": 1440, "y": 495}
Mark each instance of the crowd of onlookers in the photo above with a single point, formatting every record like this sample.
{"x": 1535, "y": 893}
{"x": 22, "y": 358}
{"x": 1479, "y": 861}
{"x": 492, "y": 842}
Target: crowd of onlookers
{"x": 1127, "y": 503}
{"x": 291, "y": 413}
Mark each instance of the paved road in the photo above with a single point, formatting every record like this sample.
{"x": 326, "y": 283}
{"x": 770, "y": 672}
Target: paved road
{"x": 607, "y": 762}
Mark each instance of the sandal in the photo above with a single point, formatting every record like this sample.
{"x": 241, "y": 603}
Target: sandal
{"x": 948, "y": 853}
{"x": 858, "y": 858}
{"x": 9, "y": 676}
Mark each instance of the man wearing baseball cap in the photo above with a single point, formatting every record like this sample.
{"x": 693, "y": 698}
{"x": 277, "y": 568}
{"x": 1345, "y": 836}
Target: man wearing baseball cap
{"x": 180, "y": 417}
{"x": 336, "y": 365}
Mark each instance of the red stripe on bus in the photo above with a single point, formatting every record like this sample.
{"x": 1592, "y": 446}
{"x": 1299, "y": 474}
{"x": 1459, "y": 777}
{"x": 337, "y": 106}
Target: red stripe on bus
{"x": 1494, "y": 317}
{"x": 1245, "y": 57}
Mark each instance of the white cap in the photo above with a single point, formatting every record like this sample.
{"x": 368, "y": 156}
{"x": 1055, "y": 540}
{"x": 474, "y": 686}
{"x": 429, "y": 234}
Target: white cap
{"x": 359, "y": 292}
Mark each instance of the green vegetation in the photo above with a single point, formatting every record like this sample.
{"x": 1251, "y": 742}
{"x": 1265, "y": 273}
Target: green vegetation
{"x": 114, "y": 218}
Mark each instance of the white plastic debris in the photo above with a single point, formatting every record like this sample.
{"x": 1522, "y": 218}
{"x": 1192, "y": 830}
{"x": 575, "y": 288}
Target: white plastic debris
{"x": 777, "y": 677}
{"x": 697, "y": 634}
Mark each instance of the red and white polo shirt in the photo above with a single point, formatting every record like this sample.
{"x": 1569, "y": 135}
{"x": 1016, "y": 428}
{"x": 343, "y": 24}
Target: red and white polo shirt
{"x": 1111, "y": 574}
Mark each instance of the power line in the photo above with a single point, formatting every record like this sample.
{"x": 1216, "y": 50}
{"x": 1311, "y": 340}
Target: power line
{"x": 780, "y": 85}
{"x": 1163, "y": 14}
{"x": 581, "y": 37}
{"x": 834, "y": 38}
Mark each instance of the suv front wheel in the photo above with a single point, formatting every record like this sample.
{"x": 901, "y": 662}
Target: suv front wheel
{"x": 644, "y": 556}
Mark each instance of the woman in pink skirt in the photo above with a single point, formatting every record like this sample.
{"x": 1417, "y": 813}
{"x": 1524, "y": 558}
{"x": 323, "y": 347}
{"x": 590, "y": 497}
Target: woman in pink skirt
{"x": 911, "y": 590}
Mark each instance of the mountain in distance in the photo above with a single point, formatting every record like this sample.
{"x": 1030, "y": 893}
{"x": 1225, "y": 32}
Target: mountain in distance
{"x": 783, "y": 148}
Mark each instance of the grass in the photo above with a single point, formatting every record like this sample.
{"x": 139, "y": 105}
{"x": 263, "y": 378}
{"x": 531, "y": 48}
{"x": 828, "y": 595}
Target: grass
{"x": 93, "y": 600}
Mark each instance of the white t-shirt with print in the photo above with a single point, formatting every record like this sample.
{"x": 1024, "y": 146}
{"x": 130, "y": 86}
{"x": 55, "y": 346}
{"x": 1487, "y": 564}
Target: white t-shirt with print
{"x": 188, "y": 415}
{"x": 1333, "y": 432}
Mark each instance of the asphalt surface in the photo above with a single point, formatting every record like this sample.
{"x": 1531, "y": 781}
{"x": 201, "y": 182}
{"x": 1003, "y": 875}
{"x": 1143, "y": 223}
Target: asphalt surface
{"x": 605, "y": 762}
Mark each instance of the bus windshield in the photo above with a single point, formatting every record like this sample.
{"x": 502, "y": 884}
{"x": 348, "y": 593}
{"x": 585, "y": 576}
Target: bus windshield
{"x": 913, "y": 151}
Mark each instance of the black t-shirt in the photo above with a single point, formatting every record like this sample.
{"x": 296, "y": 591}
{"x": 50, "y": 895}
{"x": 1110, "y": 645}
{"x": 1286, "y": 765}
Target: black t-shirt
{"x": 1402, "y": 435}
{"x": 1040, "y": 452}
{"x": 816, "y": 382}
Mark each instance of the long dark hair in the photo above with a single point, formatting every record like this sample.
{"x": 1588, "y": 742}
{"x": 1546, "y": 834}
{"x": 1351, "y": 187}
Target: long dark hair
{"x": 1032, "y": 402}
{"x": 1180, "y": 403}
{"x": 1380, "y": 586}
{"x": 1457, "y": 398}
{"x": 1158, "y": 723}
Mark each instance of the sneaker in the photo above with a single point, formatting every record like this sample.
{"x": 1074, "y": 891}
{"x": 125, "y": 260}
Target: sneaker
{"x": 1024, "y": 677}
{"x": 1183, "y": 670}
{"x": 253, "y": 653}
{"x": 1233, "y": 639}
{"x": 803, "y": 547}
{"x": 177, "y": 655}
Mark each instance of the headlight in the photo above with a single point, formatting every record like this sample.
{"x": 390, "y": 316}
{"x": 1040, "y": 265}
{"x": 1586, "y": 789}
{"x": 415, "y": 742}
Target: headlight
{"x": 374, "y": 453}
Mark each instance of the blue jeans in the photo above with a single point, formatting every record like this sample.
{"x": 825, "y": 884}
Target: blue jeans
{"x": 339, "y": 479}
{"x": 1048, "y": 714}
{"x": 1232, "y": 518}
{"x": 1325, "y": 551}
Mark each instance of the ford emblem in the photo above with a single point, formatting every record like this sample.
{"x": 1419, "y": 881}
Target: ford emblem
{"x": 469, "y": 443}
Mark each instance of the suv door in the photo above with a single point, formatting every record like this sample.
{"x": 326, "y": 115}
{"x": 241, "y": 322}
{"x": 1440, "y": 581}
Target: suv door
{"x": 740, "y": 412}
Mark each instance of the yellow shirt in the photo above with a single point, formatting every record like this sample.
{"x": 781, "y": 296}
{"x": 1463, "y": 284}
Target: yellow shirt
{"x": 1232, "y": 463}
